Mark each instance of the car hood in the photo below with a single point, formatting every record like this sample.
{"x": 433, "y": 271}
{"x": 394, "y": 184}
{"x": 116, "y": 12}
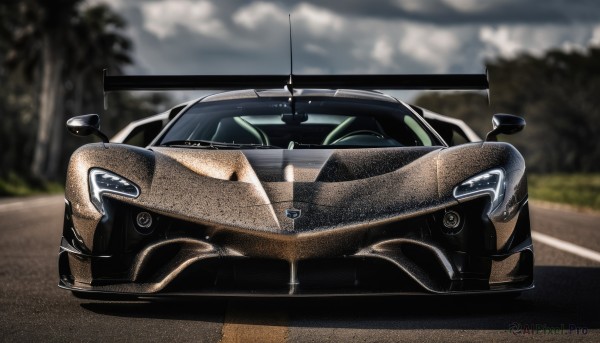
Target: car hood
{"x": 252, "y": 189}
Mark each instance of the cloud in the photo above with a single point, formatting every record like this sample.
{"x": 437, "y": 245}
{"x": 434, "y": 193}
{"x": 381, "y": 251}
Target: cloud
{"x": 315, "y": 49}
{"x": 460, "y": 12}
{"x": 383, "y": 52}
{"x": 259, "y": 13}
{"x": 500, "y": 41}
{"x": 431, "y": 45}
{"x": 318, "y": 21}
{"x": 509, "y": 41}
{"x": 470, "y": 6}
{"x": 163, "y": 18}
{"x": 115, "y": 4}
{"x": 416, "y": 7}
{"x": 356, "y": 36}
{"x": 595, "y": 40}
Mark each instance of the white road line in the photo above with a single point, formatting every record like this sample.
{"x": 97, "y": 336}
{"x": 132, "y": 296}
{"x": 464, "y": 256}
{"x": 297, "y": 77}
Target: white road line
{"x": 566, "y": 246}
{"x": 27, "y": 204}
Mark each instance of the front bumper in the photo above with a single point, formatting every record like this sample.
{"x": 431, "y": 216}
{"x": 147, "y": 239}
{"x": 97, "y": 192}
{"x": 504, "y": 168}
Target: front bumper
{"x": 413, "y": 256}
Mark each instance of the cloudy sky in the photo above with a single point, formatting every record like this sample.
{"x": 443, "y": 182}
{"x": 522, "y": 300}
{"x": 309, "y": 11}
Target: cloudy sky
{"x": 349, "y": 36}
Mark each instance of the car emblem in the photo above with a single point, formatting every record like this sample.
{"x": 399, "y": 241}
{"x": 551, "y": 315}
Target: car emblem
{"x": 292, "y": 213}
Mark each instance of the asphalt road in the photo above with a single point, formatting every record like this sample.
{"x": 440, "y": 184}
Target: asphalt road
{"x": 33, "y": 308}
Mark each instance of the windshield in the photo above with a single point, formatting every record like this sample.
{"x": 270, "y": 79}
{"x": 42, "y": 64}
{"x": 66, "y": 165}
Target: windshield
{"x": 304, "y": 123}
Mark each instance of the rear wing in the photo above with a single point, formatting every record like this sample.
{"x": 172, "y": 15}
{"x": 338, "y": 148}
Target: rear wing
{"x": 236, "y": 82}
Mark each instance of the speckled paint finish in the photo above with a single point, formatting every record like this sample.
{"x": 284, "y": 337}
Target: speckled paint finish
{"x": 195, "y": 185}
{"x": 239, "y": 199}
{"x": 457, "y": 164}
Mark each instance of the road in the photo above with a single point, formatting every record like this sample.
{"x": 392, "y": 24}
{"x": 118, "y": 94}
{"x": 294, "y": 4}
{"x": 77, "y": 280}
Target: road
{"x": 33, "y": 308}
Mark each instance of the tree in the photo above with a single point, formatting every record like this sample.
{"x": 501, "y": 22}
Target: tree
{"x": 50, "y": 36}
{"x": 101, "y": 44}
{"x": 97, "y": 43}
{"x": 556, "y": 93}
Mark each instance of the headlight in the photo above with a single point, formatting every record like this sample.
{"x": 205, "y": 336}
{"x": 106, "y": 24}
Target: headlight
{"x": 490, "y": 183}
{"x": 102, "y": 181}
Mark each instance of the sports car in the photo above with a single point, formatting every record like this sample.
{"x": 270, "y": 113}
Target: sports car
{"x": 311, "y": 189}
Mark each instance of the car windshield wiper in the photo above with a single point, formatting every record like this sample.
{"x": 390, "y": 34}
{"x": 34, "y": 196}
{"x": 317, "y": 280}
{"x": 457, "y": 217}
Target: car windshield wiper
{"x": 338, "y": 146}
{"x": 206, "y": 144}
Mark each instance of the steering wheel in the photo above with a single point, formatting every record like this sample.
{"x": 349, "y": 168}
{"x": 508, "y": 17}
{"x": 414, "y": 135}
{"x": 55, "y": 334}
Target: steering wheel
{"x": 359, "y": 132}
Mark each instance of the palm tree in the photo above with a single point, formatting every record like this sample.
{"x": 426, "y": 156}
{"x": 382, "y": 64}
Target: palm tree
{"x": 101, "y": 45}
{"x": 62, "y": 42}
{"x": 54, "y": 23}
{"x": 96, "y": 42}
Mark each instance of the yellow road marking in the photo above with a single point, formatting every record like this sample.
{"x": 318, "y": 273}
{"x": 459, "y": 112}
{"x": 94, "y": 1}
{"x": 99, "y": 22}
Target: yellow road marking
{"x": 248, "y": 321}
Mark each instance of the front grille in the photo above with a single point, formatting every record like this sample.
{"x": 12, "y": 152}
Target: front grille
{"x": 232, "y": 275}
{"x": 354, "y": 274}
{"x": 250, "y": 275}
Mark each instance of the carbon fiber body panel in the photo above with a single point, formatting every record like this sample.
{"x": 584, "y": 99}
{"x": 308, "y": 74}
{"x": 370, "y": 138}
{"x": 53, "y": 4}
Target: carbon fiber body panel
{"x": 369, "y": 222}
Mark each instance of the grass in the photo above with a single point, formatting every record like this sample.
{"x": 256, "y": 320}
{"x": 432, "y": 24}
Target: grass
{"x": 15, "y": 185}
{"x": 580, "y": 190}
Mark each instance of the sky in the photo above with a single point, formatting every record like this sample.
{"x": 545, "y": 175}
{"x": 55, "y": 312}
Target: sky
{"x": 349, "y": 36}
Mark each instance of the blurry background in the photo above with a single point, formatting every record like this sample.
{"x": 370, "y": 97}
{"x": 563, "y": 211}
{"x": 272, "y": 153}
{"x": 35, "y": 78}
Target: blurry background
{"x": 543, "y": 60}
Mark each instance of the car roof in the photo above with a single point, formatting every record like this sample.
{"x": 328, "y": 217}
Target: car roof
{"x": 283, "y": 92}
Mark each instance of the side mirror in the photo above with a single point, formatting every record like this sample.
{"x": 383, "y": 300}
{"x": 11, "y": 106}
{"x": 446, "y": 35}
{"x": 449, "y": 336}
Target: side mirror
{"x": 85, "y": 125}
{"x": 505, "y": 124}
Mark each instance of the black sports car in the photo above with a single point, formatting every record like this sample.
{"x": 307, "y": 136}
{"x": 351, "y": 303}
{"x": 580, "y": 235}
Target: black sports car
{"x": 295, "y": 191}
